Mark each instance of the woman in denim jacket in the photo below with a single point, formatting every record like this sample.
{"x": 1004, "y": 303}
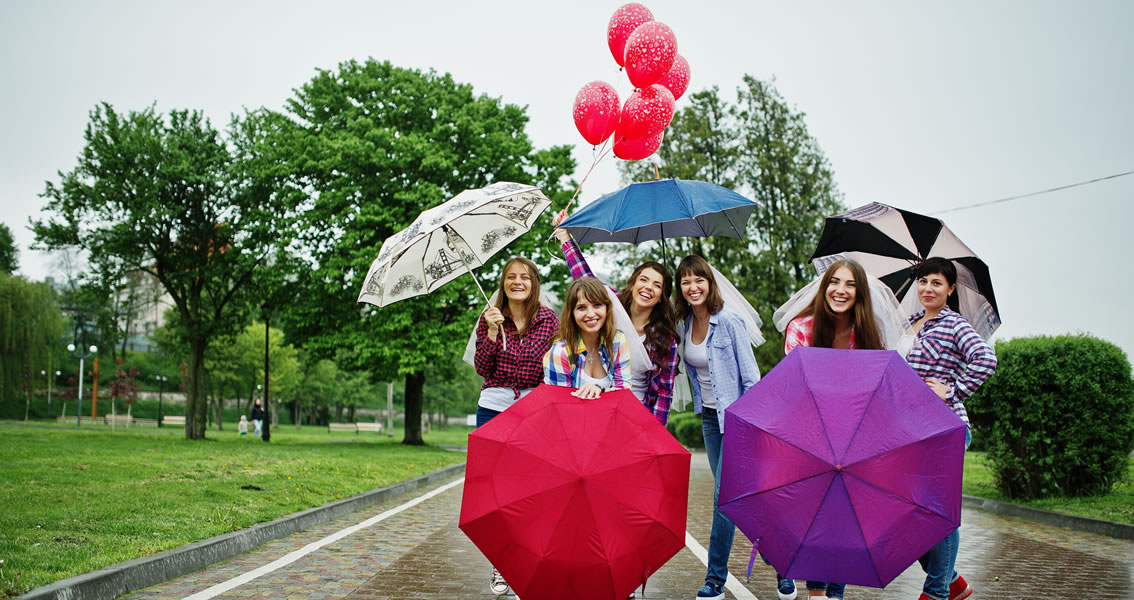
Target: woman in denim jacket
{"x": 718, "y": 358}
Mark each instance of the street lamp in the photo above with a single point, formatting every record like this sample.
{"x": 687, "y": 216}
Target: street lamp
{"x": 161, "y": 388}
{"x": 81, "y": 356}
{"x": 48, "y": 378}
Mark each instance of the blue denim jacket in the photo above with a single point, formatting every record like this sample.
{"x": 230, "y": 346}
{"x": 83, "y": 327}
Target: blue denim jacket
{"x": 732, "y": 366}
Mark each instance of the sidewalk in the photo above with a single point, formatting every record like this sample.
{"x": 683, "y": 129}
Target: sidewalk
{"x": 421, "y": 554}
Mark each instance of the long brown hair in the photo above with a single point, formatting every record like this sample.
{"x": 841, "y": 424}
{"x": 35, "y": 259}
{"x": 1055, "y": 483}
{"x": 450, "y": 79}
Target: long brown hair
{"x": 594, "y": 291}
{"x": 695, "y": 265}
{"x": 530, "y": 306}
{"x": 866, "y": 335}
{"x": 661, "y": 329}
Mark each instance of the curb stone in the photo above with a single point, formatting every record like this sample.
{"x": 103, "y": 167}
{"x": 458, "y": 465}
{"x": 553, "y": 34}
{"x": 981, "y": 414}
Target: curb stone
{"x": 113, "y": 581}
{"x": 1113, "y": 529}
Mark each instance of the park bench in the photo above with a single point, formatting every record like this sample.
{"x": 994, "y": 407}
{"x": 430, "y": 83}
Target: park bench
{"x": 375, "y": 427}
{"x": 173, "y": 420}
{"x": 116, "y": 420}
{"x": 86, "y": 420}
{"x": 333, "y": 427}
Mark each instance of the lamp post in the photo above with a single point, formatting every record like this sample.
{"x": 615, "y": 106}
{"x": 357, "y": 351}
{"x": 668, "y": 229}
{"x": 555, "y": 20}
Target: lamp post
{"x": 161, "y": 388}
{"x": 47, "y": 376}
{"x": 81, "y": 356}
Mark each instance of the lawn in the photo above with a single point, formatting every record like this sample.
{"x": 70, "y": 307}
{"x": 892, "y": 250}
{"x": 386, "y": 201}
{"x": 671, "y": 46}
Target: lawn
{"x": 1116, "y": 506}
{"x": 77, "y": 500}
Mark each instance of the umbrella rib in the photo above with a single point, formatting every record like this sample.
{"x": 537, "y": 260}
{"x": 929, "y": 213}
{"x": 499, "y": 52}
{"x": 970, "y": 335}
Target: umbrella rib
{"x": 862, "y": 536}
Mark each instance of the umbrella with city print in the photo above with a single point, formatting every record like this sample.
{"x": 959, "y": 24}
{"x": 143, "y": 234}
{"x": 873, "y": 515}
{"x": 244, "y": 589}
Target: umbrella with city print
{"x": 450, "y": 239}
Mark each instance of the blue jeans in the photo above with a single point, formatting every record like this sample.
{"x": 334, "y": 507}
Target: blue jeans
{"x": 720, "y": 540}
{"x": 834, "y": 590}
{"x": 940, "y": 562}
{"x": 484, "y": 415}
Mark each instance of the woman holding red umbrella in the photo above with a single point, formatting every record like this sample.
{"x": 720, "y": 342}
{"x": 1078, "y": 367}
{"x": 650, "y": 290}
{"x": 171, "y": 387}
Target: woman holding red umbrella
{"x": 954, "y": 361}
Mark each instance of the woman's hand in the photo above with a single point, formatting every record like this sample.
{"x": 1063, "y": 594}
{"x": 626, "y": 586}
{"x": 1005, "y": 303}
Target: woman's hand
{"x": 939, "y": 387}
{"x": 559, "y": 218}
{"x": 494, "y": 318}
{"x": 587, "y": 392}
{"x": 562, "y": 235}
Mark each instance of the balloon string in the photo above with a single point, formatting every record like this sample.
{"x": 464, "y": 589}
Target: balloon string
{"x": 603, "y": 153}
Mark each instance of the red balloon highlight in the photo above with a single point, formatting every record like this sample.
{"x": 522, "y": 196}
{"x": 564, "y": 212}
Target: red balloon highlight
{"x": 625, "y": 20}
{"x": 596, "y": 111}
{"x": 650, "y": 52}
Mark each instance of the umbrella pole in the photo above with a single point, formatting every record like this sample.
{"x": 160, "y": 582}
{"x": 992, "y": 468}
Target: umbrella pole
{"x": 453, "y": 235}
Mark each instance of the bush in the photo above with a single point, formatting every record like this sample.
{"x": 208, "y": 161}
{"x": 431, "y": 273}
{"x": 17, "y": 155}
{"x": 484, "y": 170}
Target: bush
{"x": 686, "y": 427}
{"x": 1058, "y": 416}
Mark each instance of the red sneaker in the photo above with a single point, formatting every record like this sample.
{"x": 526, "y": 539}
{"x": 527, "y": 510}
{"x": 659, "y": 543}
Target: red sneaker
{"x": 960, "y": 589}
{"x": 924, "y": 596}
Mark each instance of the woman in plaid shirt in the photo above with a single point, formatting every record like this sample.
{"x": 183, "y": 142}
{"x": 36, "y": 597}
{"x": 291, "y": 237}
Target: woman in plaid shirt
{"x": 511, "y": 373}
{"x": 646, "y": 300}
{"x": 954, "y": 361}
{"x": 589, "y": 354}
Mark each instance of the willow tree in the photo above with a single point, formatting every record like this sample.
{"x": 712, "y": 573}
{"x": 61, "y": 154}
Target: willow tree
{"x": 31, "y": 328}
{"x": 173, "y": 197}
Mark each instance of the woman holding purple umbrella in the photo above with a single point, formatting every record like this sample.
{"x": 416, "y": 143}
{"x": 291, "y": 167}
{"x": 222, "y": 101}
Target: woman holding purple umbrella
{"x": 954, "y": 361}
{"x": 839, "y": 316}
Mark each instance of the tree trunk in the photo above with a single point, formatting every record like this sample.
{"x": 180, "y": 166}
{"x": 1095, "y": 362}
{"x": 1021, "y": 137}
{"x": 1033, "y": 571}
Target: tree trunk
{"x": 414, "y": 399}
{"x": 196, "y": 400}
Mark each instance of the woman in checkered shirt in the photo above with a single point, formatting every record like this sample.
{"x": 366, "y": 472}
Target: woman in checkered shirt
{"x": 954, "y": 361}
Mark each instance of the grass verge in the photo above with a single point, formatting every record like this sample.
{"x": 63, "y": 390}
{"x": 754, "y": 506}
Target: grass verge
{"x": 1117, "y": 506}
{"x": 75, "y": 500}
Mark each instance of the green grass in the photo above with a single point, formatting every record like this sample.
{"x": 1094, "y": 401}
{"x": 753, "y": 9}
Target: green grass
{"x": 1116, "y": 506}
{"x": 77, "y": 500}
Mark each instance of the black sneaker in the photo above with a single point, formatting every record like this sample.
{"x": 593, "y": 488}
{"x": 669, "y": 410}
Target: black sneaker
{"x": 785, "y": 588}
{"x": 711, "y": 591}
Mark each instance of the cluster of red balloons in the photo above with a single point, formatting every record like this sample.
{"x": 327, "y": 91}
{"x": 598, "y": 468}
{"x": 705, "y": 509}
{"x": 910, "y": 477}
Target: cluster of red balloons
{"x": 648, "y": 50}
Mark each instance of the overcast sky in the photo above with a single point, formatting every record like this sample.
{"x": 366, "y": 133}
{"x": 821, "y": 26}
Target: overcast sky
{"x": 924, "y": 106}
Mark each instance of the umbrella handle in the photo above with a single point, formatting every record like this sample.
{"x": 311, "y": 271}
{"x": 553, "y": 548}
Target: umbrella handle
{"x": 449, "y": 232}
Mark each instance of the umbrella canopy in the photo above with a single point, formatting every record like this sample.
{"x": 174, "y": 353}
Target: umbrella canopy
{"x": 450, "y": 239}
{"x": 842, "y": 466}
{"x": 890, "y": 243}
{"x": 660, "y": 209}
{"x": 573, "y": 498}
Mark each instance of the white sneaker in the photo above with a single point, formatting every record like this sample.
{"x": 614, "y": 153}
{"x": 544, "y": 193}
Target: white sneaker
{"x": 498, "y": 586}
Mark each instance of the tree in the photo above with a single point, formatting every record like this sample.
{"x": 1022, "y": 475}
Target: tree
{"x": 9, "y": 253}
{"x": 761, "y": 147}
{"x": 371, "y": 146}
{"x": 31, "y": 328}
{"x": 172, "y": 197}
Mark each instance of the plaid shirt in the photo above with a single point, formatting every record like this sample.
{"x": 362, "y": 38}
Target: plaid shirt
{"x": 659, "y": 378}
{"x": 950, "y": 350}
{"x": 558, "y": 370}
{"x": 520, "y": 366}
{"x": 800, "y": 331}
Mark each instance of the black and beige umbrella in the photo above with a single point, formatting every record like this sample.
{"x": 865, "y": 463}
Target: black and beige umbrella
{"x": 890, "y": 243}
{"x": 451, "y": 239}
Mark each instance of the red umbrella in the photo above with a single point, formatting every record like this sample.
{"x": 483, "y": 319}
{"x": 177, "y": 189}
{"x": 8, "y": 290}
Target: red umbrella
{"x": 573, "y": 498}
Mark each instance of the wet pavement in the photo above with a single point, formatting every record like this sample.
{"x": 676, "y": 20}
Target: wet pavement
{"x": 419, "y": 553}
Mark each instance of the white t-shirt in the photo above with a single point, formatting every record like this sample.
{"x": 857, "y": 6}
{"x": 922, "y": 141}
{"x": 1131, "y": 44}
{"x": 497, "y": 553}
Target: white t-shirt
{"x": 697, "y": 356}
{"x": 500, "y": 399}
{"x": 640, "y": 376}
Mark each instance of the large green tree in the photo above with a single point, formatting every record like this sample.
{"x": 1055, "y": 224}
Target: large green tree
{"x": 759, "y": 146}
{"x": 171, "y": 196}
{"x": 371, "y": 146}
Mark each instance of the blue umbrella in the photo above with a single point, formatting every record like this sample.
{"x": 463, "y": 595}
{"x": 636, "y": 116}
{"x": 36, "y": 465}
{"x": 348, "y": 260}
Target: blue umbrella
{"x": 655, "y": 210}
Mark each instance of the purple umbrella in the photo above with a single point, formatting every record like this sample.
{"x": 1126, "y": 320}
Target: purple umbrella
{"x": 842, "y": 466}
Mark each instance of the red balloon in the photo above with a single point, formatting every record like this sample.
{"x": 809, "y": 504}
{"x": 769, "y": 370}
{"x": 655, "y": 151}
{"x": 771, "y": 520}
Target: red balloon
{"x": 646, "y": 113}
{"x": 596, "y": 111}
{"x": 625, "y": 20}
{"x": 650, "y": 52}
{"x": 677, "y": 80}
{"x": 637, "y": 149}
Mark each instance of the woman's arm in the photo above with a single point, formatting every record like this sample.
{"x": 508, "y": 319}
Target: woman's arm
{"x": 530, "y": 354}
{"x": 556, "y": 366}
{"x": 486, "y": 350}
{"x": 661, "y": 385}
{"x": 742, "y": 347}
{"x": 980, "y": 362}
{"x": 794, "y": 336}
{"x": 620, "y": 363}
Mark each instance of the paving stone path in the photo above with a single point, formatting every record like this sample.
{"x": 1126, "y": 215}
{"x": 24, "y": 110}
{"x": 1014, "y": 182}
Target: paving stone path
{"x": 421, "y": 554}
